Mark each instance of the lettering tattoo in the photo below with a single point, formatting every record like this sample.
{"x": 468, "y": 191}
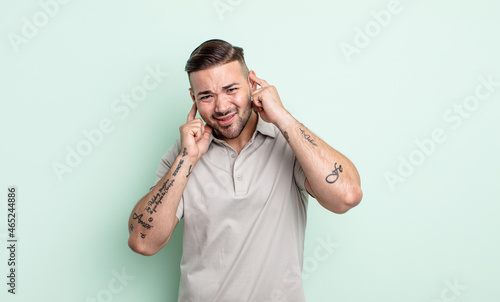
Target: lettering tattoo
{"x": 143, "y": 235}
{"x": 189, "y": 171}
{"x": 332, "y": 178}
{"x": 150, "y": 219}
{"x": 156, "y": 200}
{"x": 184, "y": 152}
{"x": 143, "y": 223}
{"x": 178, "y": 167}
{"x": 131, "y": 227}
{"x": 285, "y": 134}
{"x": 308, "y": 137}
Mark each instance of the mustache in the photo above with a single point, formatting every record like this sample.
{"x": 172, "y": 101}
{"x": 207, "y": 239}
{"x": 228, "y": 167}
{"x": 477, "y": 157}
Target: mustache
{"x": 218, "y": 114}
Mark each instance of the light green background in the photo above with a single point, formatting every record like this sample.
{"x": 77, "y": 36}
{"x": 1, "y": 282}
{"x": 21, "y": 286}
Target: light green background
{"x": 440, "y": 225}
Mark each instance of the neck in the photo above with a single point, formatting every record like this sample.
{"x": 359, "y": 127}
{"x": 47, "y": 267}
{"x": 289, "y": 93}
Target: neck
{"x": 239, "y": 142}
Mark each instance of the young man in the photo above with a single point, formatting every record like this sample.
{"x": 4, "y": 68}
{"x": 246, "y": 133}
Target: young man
{"x": 239, "y": 176}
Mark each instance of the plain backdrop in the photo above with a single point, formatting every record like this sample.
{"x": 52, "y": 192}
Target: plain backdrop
{"x": 408, "y": 90}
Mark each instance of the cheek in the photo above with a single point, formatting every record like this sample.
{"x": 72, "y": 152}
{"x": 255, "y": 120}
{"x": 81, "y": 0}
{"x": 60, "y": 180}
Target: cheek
{"x": 242, "y": 99}
{"x": 205, "y": 109}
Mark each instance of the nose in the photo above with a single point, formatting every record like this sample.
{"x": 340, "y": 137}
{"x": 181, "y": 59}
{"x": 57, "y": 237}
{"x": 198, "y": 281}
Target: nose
{"x": 222, "y": 104}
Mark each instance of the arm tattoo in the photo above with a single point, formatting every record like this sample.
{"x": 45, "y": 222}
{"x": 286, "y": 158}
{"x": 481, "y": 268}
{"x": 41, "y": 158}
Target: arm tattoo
{"x": 178, "y": 167}
{"x": 156, "y": 200}
{"x": 285, "y": 134}
{"x": 189, "y": 171}
{"x": 143, "y": 223}
{"x": 184, "y": 152}
{"x": 332, "y": 178}
{"x": 308, "y": 137}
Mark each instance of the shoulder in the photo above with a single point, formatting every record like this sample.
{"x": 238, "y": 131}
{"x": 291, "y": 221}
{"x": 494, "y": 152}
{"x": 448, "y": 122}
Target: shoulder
{"x": 169, "y": 157}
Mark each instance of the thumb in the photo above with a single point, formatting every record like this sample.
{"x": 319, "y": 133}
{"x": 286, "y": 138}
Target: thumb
{"x": 206, "y": 134}
{"x": 205, "y": 139}
{"x": 208, "y": 130}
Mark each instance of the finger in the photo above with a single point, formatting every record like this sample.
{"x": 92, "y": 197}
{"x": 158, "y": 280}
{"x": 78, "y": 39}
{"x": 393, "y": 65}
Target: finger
{"x": 208, "y": 130}
{"x": 256, "y": 99}
{"x": 256, "y": 95}
{"x": 192, "y": 113}
{"x": 262, "y": 83}
{"x": 199, "y": 129}
{"x": 257, "y": 105}
{"x": 205, "y": 140}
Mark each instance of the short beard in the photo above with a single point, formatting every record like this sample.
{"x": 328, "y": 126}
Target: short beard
{"x": 241, "y": 126}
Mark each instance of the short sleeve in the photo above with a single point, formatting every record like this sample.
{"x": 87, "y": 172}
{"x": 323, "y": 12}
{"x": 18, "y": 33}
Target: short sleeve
{"x": 299, "y": 175}
{"x": 165, "y": 164}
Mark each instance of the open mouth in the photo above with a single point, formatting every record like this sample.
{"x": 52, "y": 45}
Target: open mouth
{"x": 224, "y": 121}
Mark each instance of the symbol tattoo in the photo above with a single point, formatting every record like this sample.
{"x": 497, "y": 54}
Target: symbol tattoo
{"x": 332, "y": 178}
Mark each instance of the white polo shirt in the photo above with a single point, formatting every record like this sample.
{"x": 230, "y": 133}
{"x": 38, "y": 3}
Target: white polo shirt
{"x": 244, "y": 221}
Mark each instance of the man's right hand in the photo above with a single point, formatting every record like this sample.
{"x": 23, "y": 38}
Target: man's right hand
{"x": 195, "y": 136}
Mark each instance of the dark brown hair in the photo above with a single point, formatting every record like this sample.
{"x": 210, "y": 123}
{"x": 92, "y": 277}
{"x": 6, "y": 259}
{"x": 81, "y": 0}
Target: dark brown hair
{"x": 213, "y": 53}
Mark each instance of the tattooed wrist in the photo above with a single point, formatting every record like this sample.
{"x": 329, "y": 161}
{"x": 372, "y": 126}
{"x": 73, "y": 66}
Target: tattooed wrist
{"x": 178, "y": 167}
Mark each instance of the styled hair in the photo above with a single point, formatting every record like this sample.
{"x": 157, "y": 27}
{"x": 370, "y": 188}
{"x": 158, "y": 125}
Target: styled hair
{"x": 213, "y": 53}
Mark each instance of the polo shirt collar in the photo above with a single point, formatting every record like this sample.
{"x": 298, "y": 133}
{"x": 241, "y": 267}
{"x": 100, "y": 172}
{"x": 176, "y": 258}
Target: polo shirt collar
{"x": 265, "y": 128}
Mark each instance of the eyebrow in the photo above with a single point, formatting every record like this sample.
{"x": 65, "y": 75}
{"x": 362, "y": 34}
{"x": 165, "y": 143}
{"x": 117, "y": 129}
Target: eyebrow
{"x": 210, "y": 91}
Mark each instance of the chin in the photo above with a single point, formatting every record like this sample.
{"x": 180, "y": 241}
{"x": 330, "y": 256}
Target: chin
{"x": 235, "y": 128}
{"x": 228, "y": 132}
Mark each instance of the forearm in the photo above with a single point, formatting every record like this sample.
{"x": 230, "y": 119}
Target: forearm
{"x": 153, "y": 219}
{"x": 331, "y": 177}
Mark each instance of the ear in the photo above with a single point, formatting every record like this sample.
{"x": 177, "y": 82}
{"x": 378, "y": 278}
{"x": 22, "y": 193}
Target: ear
{"x": 253, "y": 84}
{"x": 191, "y": 93}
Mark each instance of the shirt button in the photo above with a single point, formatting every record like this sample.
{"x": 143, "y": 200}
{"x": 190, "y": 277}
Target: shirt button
{"x": 233, "y": 155}
{"x": 238, "y": 177}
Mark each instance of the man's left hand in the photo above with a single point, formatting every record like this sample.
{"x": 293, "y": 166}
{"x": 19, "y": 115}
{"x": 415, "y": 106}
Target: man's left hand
{"x": 266, "y": 101}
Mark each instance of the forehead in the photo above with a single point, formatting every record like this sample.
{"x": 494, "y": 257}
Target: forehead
{"x": 217, "y": 77}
